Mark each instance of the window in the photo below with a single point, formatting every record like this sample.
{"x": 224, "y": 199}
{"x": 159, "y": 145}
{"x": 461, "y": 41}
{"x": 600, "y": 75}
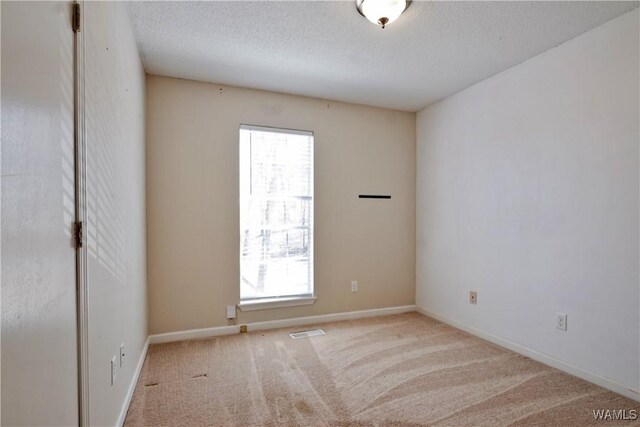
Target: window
{"x": 276, "y": 214}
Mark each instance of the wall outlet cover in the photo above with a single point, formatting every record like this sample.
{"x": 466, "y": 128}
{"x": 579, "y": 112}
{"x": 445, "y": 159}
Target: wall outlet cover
{"x": 561, "y": 321}
{"x": 354, "y": 286}
{"x": 113, "y": 370}
{"x": 231, "y": 312}
{"x": 122, "y": 354}
{"x": 473, "y": 297}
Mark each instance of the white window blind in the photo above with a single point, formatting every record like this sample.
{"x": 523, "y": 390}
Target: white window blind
{"x": 276, "y": 213}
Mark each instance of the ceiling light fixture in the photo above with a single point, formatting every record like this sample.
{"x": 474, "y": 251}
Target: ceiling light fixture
{"x": 382, "y": 12}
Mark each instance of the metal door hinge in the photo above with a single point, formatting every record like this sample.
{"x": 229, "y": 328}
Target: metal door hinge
{"x": 77, "y": 234}
{"x": 75, "y": 19}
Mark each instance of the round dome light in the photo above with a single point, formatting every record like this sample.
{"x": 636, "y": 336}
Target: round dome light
{"x": 382, "y": 12}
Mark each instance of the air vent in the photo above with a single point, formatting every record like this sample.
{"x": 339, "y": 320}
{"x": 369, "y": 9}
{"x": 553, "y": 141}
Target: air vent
{"x": 306, "y": 334}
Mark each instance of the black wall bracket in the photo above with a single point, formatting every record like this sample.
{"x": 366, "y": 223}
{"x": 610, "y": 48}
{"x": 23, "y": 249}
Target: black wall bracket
{"x": 374, "y": 196}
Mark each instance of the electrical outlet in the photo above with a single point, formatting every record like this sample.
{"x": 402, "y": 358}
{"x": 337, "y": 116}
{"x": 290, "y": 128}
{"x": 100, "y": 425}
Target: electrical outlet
{"x": 122, "y": 355}
{"x": 473, "y": 297}
{"x": 231, "y": 312}
{"x": 113, "y": 370}
{"x": 354, "y": 286}
{"x": 561, "y": 321}
{"x": 243, "y": 329}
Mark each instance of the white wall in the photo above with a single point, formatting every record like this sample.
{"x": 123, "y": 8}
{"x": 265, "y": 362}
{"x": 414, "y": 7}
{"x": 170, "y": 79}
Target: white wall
{"x": 116, "y": 236}
{"x": 527, "y": 191}
{"x": 193, "y": 193}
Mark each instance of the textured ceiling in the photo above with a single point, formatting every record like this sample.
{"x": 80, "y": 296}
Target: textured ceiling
{"x": 325, "y": 49}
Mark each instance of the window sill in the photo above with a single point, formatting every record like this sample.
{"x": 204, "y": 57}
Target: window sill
{"x": 264, "y": 304}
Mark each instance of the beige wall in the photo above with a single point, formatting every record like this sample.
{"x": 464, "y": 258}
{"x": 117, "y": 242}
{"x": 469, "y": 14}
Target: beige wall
{"x": 527, "y": 192}
{"x": 192, "y": 201}
{"x": 116, "y": 240}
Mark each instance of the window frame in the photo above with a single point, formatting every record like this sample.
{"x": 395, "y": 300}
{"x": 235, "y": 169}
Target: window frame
{"x": 267, "y": 302}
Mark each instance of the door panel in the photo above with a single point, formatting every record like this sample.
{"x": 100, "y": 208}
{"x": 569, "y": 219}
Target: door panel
{"x": 39, "y": 352}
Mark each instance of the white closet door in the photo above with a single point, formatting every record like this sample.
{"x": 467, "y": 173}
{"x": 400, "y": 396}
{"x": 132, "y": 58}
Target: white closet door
{"x": 39, "y": 362}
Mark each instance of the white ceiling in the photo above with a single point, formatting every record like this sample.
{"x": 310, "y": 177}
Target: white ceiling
{"x": 325, "y": 49}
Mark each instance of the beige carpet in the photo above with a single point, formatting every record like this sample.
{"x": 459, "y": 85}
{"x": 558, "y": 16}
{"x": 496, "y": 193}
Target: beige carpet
{"x": 388, "y": 371}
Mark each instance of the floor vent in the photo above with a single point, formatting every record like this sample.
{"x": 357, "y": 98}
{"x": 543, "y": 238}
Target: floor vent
{"x": 307, "y": 334}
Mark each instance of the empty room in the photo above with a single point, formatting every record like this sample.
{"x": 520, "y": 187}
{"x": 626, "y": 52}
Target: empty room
{"x": 320, "y": 213}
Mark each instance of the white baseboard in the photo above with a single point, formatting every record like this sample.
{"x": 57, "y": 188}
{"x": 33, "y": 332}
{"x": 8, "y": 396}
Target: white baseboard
{"x": 273, "y": 324}
{"x": 333, "y": 317}
{"x": 132, "y": 385}
{"x": 540, "y": 357}
{"x": 191, "y": 334}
